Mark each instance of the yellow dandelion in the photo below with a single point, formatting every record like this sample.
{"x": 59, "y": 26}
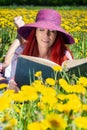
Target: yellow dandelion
{"x": 76, "y": 40}
{"x": 45, "y": 124}
{"x": 17, "y": 108}
{"x": 18, "y": 97}
{"x": 84, "y": 107}
{"x": 61, "y": 96}
{"x": 75, "y": 89}
{"x": 37, "y": 83}
{"x": 34, "y": 126}
{"x": 13, "y": 122}
{"x": 49, "y": 90}
{"x": 74, "y": 103}
{"x": 50, "y": 100}
{"x": 82, "y": 81}
{"x": 26, "y": 88}
{"x": 8, "y": 92}
{"x": 3, "y": 85}
{"x": 81, "y": 122}
{"x": 38, "y": 74}
{"x": 30, "y": 96}
{"x": 50, "y": 81}
{"x": 5, "y": 118}
{"x": 28, "y": 93}
{"x": 63, "y": 82}
{"x": 60, "y": 107}
{"x": 57, "y": 68}
{"x": 6, "y": 103}
{"x": 56, "y": 122}
{"x": 41, "y": 105}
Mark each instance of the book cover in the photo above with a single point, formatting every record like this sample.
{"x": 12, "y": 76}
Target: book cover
{"x": 77, "y": 66}
{"x": 27, "y": 66}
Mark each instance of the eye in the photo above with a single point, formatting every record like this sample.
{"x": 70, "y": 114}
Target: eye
{"x": 41, "y": 29}
{"x": 52, "y": 31}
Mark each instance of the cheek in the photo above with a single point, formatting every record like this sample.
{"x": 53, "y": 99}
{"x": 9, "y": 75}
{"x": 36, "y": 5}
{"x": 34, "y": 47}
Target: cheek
{"x": 37, "y": 36}
{"x": 53, "y": 38}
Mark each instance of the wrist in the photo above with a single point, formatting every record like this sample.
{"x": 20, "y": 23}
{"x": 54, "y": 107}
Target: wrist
{"x": 4, "y": 65}
{"x": 11, "y": 80}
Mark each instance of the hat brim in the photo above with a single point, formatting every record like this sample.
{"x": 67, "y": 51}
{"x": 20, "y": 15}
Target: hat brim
{"x": 26, "y": 29}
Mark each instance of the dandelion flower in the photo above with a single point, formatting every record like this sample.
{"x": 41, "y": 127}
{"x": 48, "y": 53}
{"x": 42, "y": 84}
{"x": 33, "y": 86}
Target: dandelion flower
{"x": 56, "y": 122}
{"x": 50, "y": 81}
{"x": 81, "y": 122}
{"x": 57, "y": 68}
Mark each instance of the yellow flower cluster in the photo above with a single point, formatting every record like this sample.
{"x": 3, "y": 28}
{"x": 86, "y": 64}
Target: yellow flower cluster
{"x": 42, "y": 106}
{"x": 73, "y": 21}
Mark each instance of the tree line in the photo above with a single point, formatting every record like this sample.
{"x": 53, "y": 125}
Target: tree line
{"x": 44, "y": 2}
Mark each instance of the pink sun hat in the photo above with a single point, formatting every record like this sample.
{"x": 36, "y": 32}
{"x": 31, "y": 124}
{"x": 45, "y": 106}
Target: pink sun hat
{"x": 46, "y": 19}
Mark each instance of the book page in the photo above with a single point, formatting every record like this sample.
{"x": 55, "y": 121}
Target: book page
{"x": 72, "y": 63}
{"x": 40, "y": 60}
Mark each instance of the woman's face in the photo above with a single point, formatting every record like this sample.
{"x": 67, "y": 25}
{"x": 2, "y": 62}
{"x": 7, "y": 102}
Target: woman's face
{"x": 45, "y": 38}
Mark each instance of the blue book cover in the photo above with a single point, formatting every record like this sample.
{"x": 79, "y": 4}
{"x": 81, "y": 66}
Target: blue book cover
{"x": 27, "y": 66}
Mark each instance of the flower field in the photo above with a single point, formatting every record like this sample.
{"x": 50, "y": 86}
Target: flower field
{"x": 53, "y": 104}
{"x": 74, "y": 21}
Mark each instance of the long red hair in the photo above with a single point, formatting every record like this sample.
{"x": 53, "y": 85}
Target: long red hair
{"x": 58, "y": 49}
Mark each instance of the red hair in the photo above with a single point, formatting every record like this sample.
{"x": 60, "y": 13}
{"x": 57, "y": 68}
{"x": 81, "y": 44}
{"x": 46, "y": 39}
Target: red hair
{"x": 58, "y": 49}
{"x": 31, "y": 47}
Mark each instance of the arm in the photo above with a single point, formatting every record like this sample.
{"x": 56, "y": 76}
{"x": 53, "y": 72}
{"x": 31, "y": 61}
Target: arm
{"x": 18, "y": 21}
{"x": 10, "y": 53}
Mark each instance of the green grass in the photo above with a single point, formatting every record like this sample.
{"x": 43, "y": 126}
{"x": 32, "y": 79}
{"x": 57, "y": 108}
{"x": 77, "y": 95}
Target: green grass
{"x": 40, "y": 7}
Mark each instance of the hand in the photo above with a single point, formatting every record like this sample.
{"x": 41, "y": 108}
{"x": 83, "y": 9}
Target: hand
{"x": 13, "y": 86}
{"x": 18, "y": 21}
{"x": 3, "y": 66}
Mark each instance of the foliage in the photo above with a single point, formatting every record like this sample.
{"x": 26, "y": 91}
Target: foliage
{"x": 44, "y": 2}
{"x": 53, "y": 104}
{"x": 80, "y": 48}
{"x": 74, "y": 21}
{"x": 6, "y": 38}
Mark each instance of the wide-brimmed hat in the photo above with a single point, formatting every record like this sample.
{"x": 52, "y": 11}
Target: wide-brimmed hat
{"x": 47, "y": 19}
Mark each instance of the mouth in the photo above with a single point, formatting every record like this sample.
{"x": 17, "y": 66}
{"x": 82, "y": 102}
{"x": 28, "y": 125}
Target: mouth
{"x": 45, "y": 41}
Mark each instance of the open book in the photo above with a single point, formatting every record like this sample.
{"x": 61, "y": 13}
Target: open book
{"x": 27, "y": 66}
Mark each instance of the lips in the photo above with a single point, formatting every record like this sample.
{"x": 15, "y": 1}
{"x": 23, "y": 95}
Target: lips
{"x": 45, "y": 40}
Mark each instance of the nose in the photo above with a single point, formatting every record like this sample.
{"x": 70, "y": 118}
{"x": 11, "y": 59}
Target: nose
{"x": 47, "y": 32}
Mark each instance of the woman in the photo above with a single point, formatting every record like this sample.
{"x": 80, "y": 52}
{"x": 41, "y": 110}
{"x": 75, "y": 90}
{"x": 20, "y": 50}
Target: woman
{"x": 46, "y": 38}
{"x": 46, "y": 28}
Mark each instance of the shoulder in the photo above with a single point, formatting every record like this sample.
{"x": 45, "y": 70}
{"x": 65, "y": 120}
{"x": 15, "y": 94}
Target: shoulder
{"x": 68, "y": 55}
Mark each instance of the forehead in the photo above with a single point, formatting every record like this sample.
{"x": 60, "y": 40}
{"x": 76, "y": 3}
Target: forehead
{"x": 45, "y": 29}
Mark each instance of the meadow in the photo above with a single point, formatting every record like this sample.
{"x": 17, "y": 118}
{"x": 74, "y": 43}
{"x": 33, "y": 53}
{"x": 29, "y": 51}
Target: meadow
{"x": 74, "y": 21}
{"x": 53, "y": 104}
